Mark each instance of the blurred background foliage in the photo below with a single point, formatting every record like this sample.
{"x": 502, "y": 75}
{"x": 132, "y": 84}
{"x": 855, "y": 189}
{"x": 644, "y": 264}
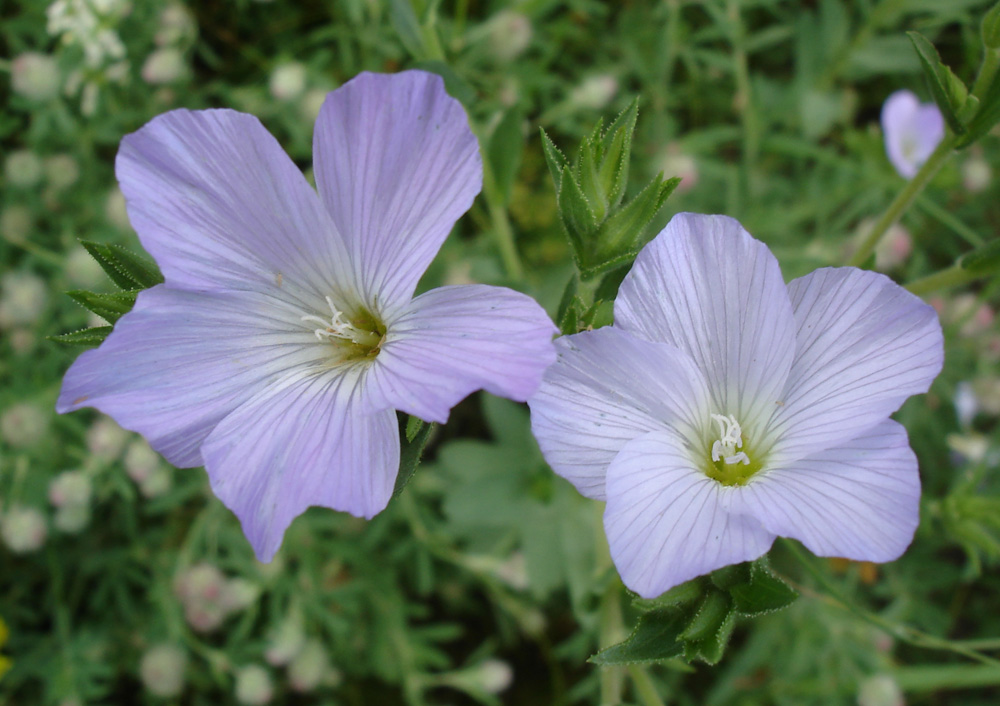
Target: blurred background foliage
{"x": 123, "y": 581}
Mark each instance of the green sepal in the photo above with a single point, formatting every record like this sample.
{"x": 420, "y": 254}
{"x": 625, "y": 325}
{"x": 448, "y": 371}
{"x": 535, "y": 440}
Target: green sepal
{"x": 413, "y": 427}
{"x": 125, "y": 268}
{"x": 991, "y": 28}
{"x": 714, "y": 610}
{"x": 93, "y": 336}
{"x": 984, "y": 118}
{"x": 589, "y": 271}
{"x": 622, "y": 229}
{"x": 712, "y": 646}
{"x": 762, "y": 593}
{"x": 655, "y": 638}
{"x": 577, "y": 215}
{"x": 109, "y": 307}
{"x": 555, "y": 159}
{"x": 616, "y": 152}
{"x": 680, "y": 596}
{"x": 410, "y": 452}
{"x": 947, "y": 89}
{"x": 590, "y": 181}
{"x": 600, "y": 314}
{"x": 608, "y": 288}
{"x": 983, "y": 260}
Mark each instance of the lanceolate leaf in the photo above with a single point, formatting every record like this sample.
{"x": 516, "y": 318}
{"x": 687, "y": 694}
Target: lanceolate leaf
{"x": 409, "y": 455}
{"x": 942, "y": 82}
{"x": 108, "y": 306}
{"x": 126, "y": 269}
{"x": 656, "y": 637}
{"x": 85, "y": 337}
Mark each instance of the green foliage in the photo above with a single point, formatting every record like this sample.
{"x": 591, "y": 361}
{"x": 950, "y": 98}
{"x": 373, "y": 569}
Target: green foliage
{"x": 949, "y": 92}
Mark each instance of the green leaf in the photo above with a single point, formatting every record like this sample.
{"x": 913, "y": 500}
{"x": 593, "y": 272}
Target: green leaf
{"x": 568, "y": 295}
{"x": 678, "y": 596}
{"x": 711, "y": 647}
{"x": 409, "y": 455}
{"x": 125, "y": 268}
{"x": 577, "y": 216}
{"x": 108, "y": 306}
{"x": 617, "y": 149}
{"x": 555, "y": 159}
{"x": 712, "y": 613}
{"x": 983, "y": 260}
{"x": 763, "y": 593}
{"x": 623, "y": 228}
{"x": 589, "y": 180}
{"x": 93, "y": 336}
{"x": 655, "y": 638}
{"x": 985, "y": 118}
{"x": 404, "y": 21}
{"x": 943, "y": 82}
{"x": 505, "y": 149}
{"x": 608, "y": 288}
{"x": 413, "y": 427}
{"x": 991, "y": 28}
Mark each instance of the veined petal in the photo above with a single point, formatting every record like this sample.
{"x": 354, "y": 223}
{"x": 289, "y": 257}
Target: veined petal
{"x": 707, "y": 287}
{"x": 454, "y": 340}
{"x": 181, "y": 361}
{"x": 219, "y": 205}
{"x": 396, "y": 164}
{"x": 305, "y": 441}
{"x": 605, "y": 389}
{"x": 860, "y": 500}
{"x": 668, "y": 522}
{"x": 864, "y": 345}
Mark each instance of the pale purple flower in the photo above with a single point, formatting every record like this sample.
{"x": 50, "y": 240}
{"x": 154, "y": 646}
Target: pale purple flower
{"x": 912, "y": 131}
{"x": 724, "y": 408}
{"x": 286, "y": 334}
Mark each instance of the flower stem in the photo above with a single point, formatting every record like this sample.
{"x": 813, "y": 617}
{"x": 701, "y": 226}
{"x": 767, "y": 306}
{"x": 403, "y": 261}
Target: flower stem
{"x": 900, "y": 632}
{"x": 951, "y": 277}
{"x": 987, "y": 72}
{"x": 644, "y": 688}
{"x": 502, "y": 230}
{"x": 904, "y": 199}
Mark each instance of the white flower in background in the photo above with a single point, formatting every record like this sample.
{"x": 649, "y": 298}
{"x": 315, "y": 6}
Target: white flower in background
{"x": 594, "y": 92}
{"x": 509, "y": 34}
{"x": 23, "y": 298}
{"x": 176, "y": 26}
{"x": 23, "y": 425}
{"x": 61, "y": 171}
{"x": 23, "y": 529}
{"x": 165, "y": 65}
{"x": 253, "y": 685}
{"x": 912, "y": 131}
{"x": 22, "y": 168}
{"x": 977, "y": 174}
{"x": 35, "y": 76}
{"x": 288, "y": 81}
{"x": 162, "y": 670}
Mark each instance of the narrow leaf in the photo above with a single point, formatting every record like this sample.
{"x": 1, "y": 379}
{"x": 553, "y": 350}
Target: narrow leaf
{"x": 713, "y": 611}
{"x": 93, "y": 336}
{"x": 655, "y": 638}
{"x": 409, "y": 456}
{"x": 623, "y": 228}
{"x": 108, "y": 306}
{"x": 940, "y": 82}
{"x": 568, "y": 295}
{"x": 985, "y": 118}
{"x": 555, "y": 159}
{"x": 764, "y": 593}
{"x": 102, "y": 255}
{"x": 138, "y": 268}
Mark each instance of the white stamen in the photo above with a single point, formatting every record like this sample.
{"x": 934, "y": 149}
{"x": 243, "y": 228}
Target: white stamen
{"x": 731, "y": 439}
{"x": 337, "y": 327}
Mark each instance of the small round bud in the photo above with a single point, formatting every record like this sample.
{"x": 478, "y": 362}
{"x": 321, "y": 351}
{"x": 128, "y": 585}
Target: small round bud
{"x": 71, "y": 519}
{"x": 976, "y": 174}
{"x": 238, "y": 594}
{"x": 494, "y": 676}
{"x": 140, "y": 460}
{"x": 286, "y": 641}
{"x": 61, "y": 171}
{"x": 156, "y": 483}
{"x": 310, "y": 668}
{"x": 288, "y": 81}
{"x": 70, "y": 489}
{"x": 22, "y": 168}
{"x": 675, "y": 163}
{"x": 594, "y": 92}
{"x": 23, "y": 425}
{"x": 880, "y": 690}
{"x": 162, "y": 670}
{"x": 164, "y": 65}
{"x": 253, "y": 686}
{"x": 35, "y": 76}
{"x": 23, "y": 529}
{"x": 15, "y": 223}
{"x": 23, "y": 297}
{"x": 509, "y": 34}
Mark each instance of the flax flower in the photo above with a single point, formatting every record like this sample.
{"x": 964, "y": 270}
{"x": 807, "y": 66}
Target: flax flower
{"x": 286, "y": 333}
{"x": 912, "y": 131}
{"x": 724, "y": 408}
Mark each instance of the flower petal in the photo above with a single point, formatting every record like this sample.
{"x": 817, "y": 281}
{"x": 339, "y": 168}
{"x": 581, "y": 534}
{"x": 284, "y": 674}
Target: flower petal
{"x": 305, "y": 441}
{"x": 706, "y": 286}
{"x": 859, "y": 501}
{"x": 181, "y": 361}
{"x": 219, "y": 205}
{"x": 396, "y": 165}
{"x": 668, "y": 522}
{"x": 452, "y": 341}
{"x": 864, "y": 345}
{"x": 605, "y": 389}
{"x": 912, "y": 130}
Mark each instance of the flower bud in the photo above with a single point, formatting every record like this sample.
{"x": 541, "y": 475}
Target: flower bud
{"x": 35, "y": 76}
{"x": 288, "y": 81}
{"x": 509, "y": 34}
{"x": 594, "y": 92}
{"x": 880, "y": 690}
{"x": 162, "y": 670}
{"x": 675, "y": 163}
{"x": 22, "y": 168}
{"x": 286, "y": 641}
{"x": 140, "y": 460}
{"x": 70, "y": 489}
{"x": 61, "y": 171}
{"x": 253, "y": 686}
{"x": 23, "y": 529}
{"x": 976, "y": 174}
{"x": 165, "y": 65}
{"x": 23, "y": 297}
{"x": 23, "y": 425}
{"x": 237, "y": 594}
{"x": 71, "y": 519}
{"x": 310, "y": 668}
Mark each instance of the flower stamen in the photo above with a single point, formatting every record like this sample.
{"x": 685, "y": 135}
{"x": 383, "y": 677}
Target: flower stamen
{"x": 731, "y": 439}
{"x": 339, "y": 328}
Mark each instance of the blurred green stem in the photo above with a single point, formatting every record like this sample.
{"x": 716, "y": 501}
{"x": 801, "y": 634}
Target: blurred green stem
{"x": 905, "y": 633}
{"x": 987, "y": 72}
{"x": 644, "y": 686}
{"x": 743, "y": 100}
{"x": 934, "y": 677}
{"x": 502, "y": 230}
{"x": 904, "y": 200}
{"x": 954, "y": 276}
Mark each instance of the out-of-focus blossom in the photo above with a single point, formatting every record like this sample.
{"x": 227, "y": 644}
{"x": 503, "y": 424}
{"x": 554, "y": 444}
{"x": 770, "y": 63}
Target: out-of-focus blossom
{"x": 288, "y": 81}
{"x": 23, "y": 425}
{"x": 254, "y": 686}
{"x": 310, "y": 668}
{"x": 114, "y": 209}
{"x": 61, "y": 171}
{"x": 176, "y": 26}
{"x": 725, "y": 408}
{"x": 892, "y": 250}
{"x": 22, "y": 168}
{"x": 70, "y": 493}
{"x": 164, "y": 65}
{"x": 966, "y": 404}
{"x": 162, "y": 670}
{"x": 35, "y": 76}
{"x": 23, "y": 298}
{"x": 15, "y": 223}
{"x": 286, "y": 641}
{"x": 509, "y": 34}
{"x": 82, "y": 270}
{"x": 912, "y": 130}
{"x": 977, "y": 174}
{"x": 594, "y": 92}
{"x": 676, "y": 163}
{"x": 880, "y": 690}
{"x": 23, "y": 529}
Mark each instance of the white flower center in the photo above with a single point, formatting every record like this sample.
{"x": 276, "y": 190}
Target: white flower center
{"x": 729, "y": 441}
{"x": 339, "y": 328}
